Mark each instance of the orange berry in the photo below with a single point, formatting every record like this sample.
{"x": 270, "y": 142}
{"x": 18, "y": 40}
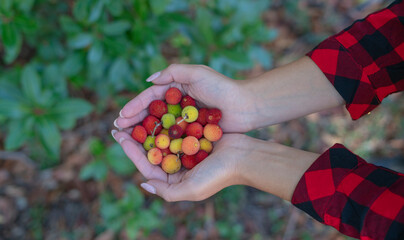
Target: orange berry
{"x": 190, "y": 145}
{"x": 212, "y": 132}
{"x": 162, "y": 141}
{"x": 171, "y": 164}
{"x": 154, "y": 156}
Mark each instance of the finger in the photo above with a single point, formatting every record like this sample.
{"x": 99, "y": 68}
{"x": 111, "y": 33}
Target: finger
{"x": 180, "y": 73}
{"x": 171, "y": 192}
{"x": 142, "y": 101}
{"x": 137, "y": 155}
{"x": 131, "y": 121}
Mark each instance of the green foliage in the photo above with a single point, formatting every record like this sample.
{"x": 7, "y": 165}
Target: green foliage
{"x": 54, "y": 49}
{"x": 35, "y": 105}
{"x": 106, "y": 158}
{"x": 129, "y": 213}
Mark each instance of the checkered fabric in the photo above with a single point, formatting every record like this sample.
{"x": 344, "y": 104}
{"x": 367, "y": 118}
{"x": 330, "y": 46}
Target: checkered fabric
{"x": 359, "y": 199}
{"x": 365, "y": 62}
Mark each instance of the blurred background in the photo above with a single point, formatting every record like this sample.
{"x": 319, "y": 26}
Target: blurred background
{"x": 67, "y": 68}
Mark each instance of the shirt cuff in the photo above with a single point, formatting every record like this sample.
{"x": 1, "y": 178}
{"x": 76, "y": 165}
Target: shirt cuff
{"x": 347, "y": 76}
{"x": 359, "y": 199}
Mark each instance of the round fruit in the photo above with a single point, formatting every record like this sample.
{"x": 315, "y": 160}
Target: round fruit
{"x": 188, "y": 161}
{"x": 175, "y": 145}
{"x": 164, "y": 131}
{"x": 158, "y": 108}
{"x": 187, "y": 101}
{"x": 174, "y": 109}
{"x": 168, "y": 120}
{"x": 149, "y": 143}
{"x": 171, "y": 164}
{"x": 181, "y": 122}
{"x": 173, "y": 95}
{"x": 165, "y": 152}
{"x": 190, "y": 114}
{"x": 200, "y": 156}
{"x": 194, "y": 129}
{"x": 139, "y": 133}
{"x": 154, "y": 156}
{"x": 212, "y": 132}
{"x": 214, "y": 115}
{"x": 206, "y": 145}
{"x": 149, "y": 123}
{"x": 190, "y": 145}
{"x": 203, "y": 112}
{"x": 175, "y": 131}
{"x": 162, "y": 141}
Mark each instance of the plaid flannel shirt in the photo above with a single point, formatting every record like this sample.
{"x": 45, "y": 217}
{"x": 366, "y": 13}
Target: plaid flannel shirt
{"x": 365, "y": 63}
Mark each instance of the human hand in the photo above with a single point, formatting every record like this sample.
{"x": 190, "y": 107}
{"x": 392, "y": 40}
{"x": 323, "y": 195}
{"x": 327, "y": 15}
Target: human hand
{"x": 214, "y": 173}
{"x": 205, "y": 85}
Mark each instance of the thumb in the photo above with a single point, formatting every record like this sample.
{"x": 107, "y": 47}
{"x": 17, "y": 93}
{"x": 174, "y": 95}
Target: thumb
{"x": 170, "y": 192}
{"x": 180, "y": 73}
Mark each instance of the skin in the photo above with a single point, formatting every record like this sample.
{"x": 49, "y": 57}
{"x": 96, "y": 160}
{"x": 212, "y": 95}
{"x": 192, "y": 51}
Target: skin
{"x": 282, "y": 94}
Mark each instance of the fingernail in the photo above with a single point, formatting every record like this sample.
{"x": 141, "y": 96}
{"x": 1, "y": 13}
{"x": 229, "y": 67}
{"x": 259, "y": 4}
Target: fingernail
{"x": 148, "y": 188}
{"x": 120, "y": 114}
{"x": 115, "y": 124}
{"x": 113, "y": 131}
{"x": 154, "y": 76}
{"x": 121, "y": 140}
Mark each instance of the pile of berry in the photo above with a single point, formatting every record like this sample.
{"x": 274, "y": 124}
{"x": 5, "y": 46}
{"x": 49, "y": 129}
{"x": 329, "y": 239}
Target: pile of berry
{"x": 176, "y": 133}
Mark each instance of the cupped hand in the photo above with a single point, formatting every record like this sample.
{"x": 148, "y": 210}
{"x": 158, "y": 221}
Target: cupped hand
{"x": 208, "y": 87}
{"x": 217, "y": 171}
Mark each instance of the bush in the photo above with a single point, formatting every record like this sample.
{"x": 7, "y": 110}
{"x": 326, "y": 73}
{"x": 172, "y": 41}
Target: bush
{"x": 55, "y": 49}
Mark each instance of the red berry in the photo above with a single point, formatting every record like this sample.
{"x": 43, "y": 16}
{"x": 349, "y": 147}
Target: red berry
{"x": 158, "y": 108}
{"x": 194, "y": 129}
{"x": 200, "y": 156}
{"x": 173, "y": 96}
{"x": 203, "y": 112}
{"x": 187, "y": 101}
{"x": 149, "y": 123}
{"x": 188, "y": 161}
{"x": 214, "y": 115}
{"x": 165, "y": 152}
{"x": 175, "y": 131}
{"x": 139, "y": 133}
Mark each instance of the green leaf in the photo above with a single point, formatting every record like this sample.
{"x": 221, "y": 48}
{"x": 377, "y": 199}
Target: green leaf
{"x": 134, "y": 196}
{"x": 118, "y": 161}
{"x": 96, "y": 169}
{"x": 9, "y": 34}
{"x": 16, "y": 135}
{"x": 26, "y": 5}
{"x": 5, "y": 5}
{"x": 50, "y": 137}
{"x": 31, "y": 84}
{"x": 158, "y": 6}
{"x": 116, "y": 28}
{"x": 73, "y": 107}
{"x": 69, "y": 25}
{"x": 11, "y": 109}
{"x": 12, "y": 41}
{"x": 96, "y": 147}
{"x": 115, "y": 8}
{"x": 81, "y": 40}
{"x": 157, "y": 63}
{"x": 96, "y": 52}
{"x": 72, "y": 65}
{"x": 96, "y": 11}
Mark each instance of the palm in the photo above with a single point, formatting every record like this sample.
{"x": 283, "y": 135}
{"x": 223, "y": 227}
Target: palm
{"x": 209, "y": 88}
{"x": 204, "y": 180}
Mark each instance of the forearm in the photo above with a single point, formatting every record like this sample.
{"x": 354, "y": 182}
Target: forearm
{"x": 289, "y": 92}
{"x": 273, "y": 168}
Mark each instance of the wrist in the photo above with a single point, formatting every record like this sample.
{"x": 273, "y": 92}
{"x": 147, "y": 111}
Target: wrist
{"x": 273, "y": 168}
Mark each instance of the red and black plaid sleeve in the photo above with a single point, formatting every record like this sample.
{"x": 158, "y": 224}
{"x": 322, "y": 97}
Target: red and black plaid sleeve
{"x": 357, "y": 198}
{"x": 365, "y": 62}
